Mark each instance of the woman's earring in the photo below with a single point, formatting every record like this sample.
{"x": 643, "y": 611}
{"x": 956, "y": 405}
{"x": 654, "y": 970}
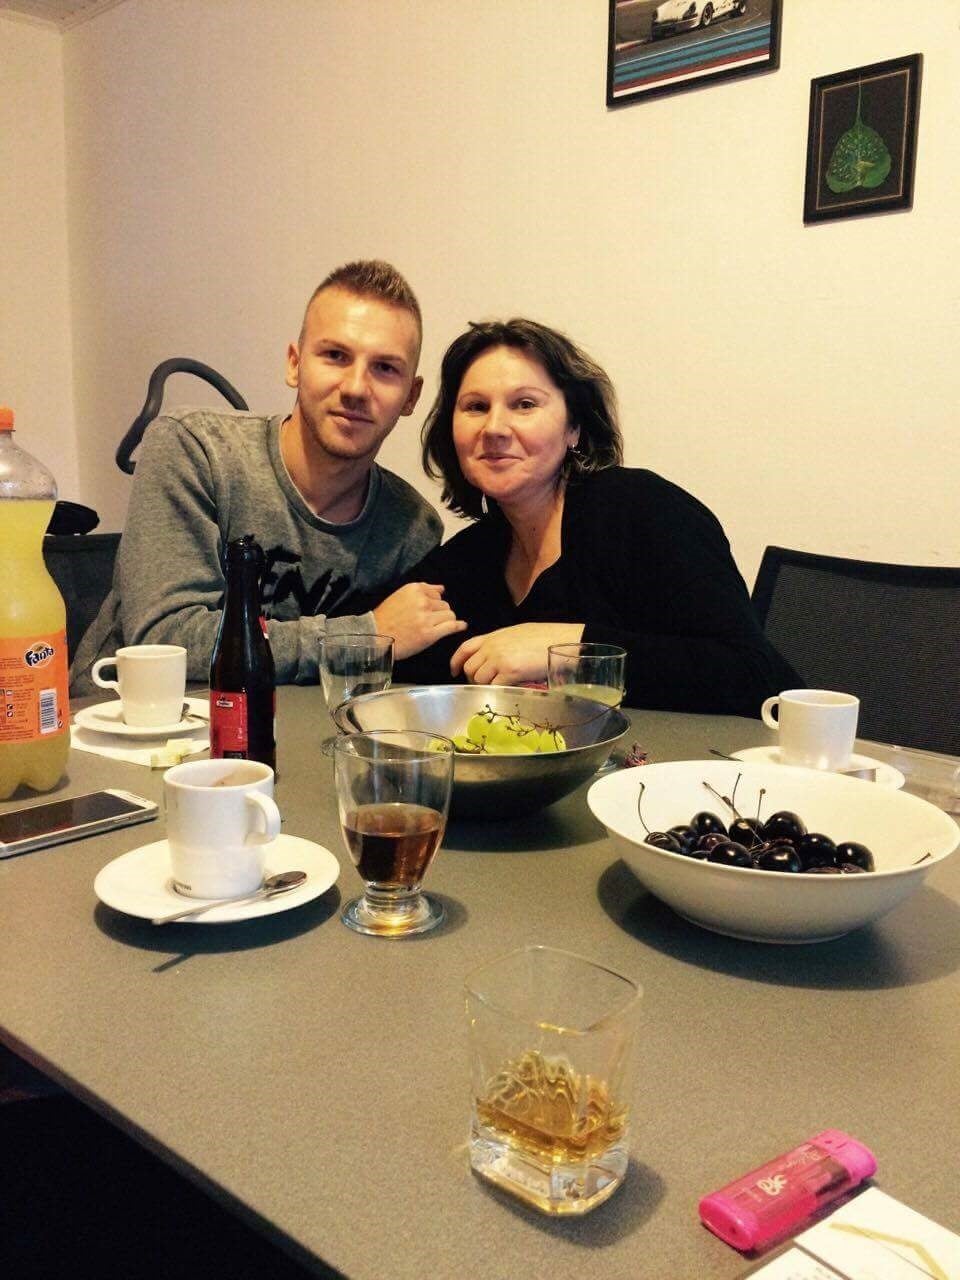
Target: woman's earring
{"x": 484, "y": 505}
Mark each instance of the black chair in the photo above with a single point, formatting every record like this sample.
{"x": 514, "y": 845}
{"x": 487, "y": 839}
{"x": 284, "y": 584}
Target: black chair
{"x": 80, "y": 562}
{"x": 82, "y": 567}
{"x": 885, "y": 632}
{"x": 151, "y": 406}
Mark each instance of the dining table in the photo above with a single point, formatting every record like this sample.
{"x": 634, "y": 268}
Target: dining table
{"x": 315, "y": 1081}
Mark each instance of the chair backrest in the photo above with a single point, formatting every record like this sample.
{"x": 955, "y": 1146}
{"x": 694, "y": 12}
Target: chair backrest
{"x": 82, "y": 567}
{"x": 151, "y": 406}
{"x": 885, "y": 632}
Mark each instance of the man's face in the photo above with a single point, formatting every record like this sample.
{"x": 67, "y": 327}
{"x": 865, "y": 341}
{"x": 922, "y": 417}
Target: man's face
{"x": 354, "y": 373}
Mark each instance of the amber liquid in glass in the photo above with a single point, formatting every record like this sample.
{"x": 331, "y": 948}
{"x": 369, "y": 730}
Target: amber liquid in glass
{"x": 553, "y": 1113}
{"x": 393, "y": 844}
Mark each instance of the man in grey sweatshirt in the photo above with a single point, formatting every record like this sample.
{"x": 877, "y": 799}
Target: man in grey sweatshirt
{"x": 307, "y": 486}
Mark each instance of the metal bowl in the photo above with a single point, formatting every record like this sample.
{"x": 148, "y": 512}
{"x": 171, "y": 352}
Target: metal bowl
{"x": 498, "y": 786}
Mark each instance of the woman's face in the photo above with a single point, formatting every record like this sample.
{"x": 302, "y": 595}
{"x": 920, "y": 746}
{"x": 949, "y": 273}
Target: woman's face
{"x": 511, "y": 429}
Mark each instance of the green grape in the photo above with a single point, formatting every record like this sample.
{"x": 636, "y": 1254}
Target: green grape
{"x": 499, "y": 738}
{"x": 477, "y": 730}
{"x": 551, "y": 740}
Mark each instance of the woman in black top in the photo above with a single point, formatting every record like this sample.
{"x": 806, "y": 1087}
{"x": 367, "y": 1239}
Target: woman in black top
{"x": 568, "y": 545}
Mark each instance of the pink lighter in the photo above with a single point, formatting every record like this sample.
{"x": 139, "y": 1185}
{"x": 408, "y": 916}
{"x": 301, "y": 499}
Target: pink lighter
{"x": 770, "y": 1201}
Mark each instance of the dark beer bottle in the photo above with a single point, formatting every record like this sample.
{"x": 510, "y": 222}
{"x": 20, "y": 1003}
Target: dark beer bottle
{"x": 242, "y": 678}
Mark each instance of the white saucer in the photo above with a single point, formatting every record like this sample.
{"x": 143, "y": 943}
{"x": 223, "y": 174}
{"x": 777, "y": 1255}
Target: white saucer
{"x": 105, "y": 718}
{"x": 887, "y": 775}
{"x": 138, "y": 882}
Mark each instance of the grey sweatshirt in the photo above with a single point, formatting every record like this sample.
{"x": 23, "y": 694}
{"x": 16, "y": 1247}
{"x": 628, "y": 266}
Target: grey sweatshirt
{"x": 205, "y": 478}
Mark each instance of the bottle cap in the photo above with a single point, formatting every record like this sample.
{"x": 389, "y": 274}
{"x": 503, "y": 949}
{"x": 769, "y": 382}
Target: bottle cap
{"x": 6, "y": 418}
{"x": 244, "y": 550}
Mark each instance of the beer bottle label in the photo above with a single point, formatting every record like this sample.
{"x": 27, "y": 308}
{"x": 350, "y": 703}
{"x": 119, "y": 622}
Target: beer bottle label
{"x": 228, "y": 725}
{"x": 34, "y": 697}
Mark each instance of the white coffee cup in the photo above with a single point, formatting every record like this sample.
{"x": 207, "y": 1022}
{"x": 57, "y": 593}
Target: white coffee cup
{"x": 817, "y": 727}
{"x": 220, "y": 817}
{"x": 151, "y": 679}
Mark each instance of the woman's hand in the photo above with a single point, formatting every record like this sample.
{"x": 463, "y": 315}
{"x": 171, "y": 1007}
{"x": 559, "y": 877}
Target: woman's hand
{"x": 512, "y": 654}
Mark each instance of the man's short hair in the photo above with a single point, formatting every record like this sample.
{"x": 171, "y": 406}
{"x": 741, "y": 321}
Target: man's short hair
{"x": 370, "y": 278}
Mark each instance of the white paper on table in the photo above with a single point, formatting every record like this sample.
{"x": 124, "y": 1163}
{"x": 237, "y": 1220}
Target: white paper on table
{"x": 796, "y": 1265}
{"x": 83, "y": 740}
{"x": 874, "y": 1237}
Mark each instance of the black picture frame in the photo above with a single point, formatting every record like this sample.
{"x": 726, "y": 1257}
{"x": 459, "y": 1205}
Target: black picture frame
{"x": 656, "y": 47}
{"x": 863, "y": 122}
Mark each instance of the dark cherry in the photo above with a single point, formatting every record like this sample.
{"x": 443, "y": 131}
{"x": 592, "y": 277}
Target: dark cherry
{"x": 817, "y": 850}
{"x": 694, "y": 852}
{"x": 823, "y": 871}
{"x": 785, "y": 824}
{"x": 704, "y": 823}
{"x": 852, "y": 869}
{"x": 778, "y": 857}
{"x": 746, "y": 831}
{"x": 858, "y": 854}
{"x": 686, "y": 835}
{"x": 730, "y": 854}
{"x": 707, "y": 842}
{"x": 664, "y": 840}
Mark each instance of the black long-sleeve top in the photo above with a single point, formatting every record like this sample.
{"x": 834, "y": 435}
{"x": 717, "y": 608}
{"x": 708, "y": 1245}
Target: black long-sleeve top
{"x": 643, "y": 565}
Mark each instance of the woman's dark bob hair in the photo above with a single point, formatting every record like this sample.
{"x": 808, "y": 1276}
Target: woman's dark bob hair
{"x": 588, "y": 392}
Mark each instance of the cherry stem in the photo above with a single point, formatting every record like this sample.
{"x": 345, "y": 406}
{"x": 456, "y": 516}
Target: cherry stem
{"x": 643, "y": 787}
{"x": 727, "y": 800}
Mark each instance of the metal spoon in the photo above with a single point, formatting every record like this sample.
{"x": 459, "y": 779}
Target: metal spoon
{"x": 281, "y": 882}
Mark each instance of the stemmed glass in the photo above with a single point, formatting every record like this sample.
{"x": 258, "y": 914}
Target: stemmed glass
{"x": 595, "y": 671}
{"x": 393, "y": 794}
{"x": 352, "y": 664}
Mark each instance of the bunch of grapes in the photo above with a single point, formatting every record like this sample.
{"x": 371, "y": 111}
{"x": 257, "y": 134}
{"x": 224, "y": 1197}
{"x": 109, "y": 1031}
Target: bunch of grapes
{"x": 492, "y": 732}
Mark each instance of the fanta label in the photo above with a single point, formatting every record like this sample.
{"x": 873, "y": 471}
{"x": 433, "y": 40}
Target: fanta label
{"x": 34, "y": 692}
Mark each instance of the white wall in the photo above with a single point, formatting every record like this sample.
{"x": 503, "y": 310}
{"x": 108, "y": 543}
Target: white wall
{"x": 35, "y": 344}
{"x": 223, "y": 154}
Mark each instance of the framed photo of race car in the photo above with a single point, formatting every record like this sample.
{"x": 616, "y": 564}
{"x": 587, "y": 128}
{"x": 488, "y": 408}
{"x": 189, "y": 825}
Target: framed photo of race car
{"x": 663, "y": 46}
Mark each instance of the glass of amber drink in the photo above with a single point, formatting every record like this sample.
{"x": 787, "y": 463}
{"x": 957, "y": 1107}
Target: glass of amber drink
{"x": 393, "y": 794}
{"x": 552, "y": 1063}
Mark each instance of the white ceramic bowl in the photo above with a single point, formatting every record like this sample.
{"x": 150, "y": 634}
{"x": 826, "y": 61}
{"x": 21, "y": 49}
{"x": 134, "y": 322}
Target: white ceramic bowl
{"x": 773, "y": 906}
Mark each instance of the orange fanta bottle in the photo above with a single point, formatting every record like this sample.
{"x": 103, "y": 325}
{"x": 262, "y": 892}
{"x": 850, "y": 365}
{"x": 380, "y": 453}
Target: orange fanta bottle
{"x": 34, "y": 696}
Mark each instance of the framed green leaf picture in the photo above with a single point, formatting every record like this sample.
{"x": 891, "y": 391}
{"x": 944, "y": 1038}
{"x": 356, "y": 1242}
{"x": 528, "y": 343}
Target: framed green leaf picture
{"x": 862, "y": 140}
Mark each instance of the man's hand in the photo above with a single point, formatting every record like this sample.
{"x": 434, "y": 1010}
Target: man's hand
{"x": 416, "y": 616}
{"x": 512, "y": 654}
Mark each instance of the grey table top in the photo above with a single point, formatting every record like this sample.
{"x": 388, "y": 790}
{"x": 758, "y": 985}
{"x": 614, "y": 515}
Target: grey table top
{"x": 315, "y": 1081}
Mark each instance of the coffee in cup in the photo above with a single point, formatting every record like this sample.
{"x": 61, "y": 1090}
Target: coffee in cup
{"x": 816, "y": 727}
{"x": 221, "y": 816}
{"x": 151, "y": 680}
